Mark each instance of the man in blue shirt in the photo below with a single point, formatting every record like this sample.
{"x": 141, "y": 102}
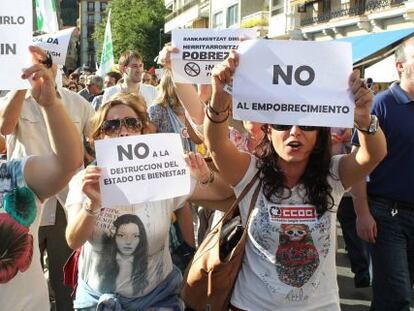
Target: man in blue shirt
{"x": 386, "y": 219}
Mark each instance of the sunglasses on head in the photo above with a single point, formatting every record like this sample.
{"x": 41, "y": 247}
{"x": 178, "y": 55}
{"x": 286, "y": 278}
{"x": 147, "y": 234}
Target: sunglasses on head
{"x": 282, "y": 127}
{"x": 114, "y": 126}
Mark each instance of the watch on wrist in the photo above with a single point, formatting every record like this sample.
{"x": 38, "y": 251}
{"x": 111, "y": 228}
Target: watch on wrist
{"x": 372, "y": 127}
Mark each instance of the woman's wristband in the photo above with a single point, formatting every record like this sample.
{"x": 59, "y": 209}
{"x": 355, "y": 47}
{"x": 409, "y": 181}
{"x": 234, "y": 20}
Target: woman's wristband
{"x": 208, "y": 181}
{"x": 87, "y": 207}
{"x": 208, "y": 111}
{"x": 214, "y": 111}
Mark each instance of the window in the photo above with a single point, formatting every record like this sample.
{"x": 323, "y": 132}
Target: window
{"x": 91, "y": 19}
{"x": 91, "y": 30}
{"x": 277, "y": 7}
{"x": 232, "y": 15}
{"x": 91, "y": 6}
{"x": 218, "y": 20}
{"x": 103, "y": 6}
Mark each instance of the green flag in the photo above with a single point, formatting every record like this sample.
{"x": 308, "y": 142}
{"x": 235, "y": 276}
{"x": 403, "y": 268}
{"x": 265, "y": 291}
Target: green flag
{"x": 46, "y": 16}
{"x": 107, "y": 57}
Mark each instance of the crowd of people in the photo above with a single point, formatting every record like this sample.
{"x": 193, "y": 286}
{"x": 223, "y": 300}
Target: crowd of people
{"x": 132, "y": 257}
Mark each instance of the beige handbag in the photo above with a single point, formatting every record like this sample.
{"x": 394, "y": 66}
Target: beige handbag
{"x": 210, "y": 277}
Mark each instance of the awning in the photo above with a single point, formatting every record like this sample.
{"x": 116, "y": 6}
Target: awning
{"x": 383, "y": 71}
{"x": 366, "y": 45}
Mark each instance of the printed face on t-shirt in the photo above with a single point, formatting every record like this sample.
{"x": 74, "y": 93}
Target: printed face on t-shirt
{"x": 127, "y": 239}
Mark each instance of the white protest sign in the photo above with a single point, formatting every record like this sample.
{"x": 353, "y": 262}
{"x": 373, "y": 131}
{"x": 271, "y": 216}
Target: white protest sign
{"x": 15, "y": 33}
{"x": 142, "y": 168}
{"x": 201, "y": 49}
{"x": 294, "y": 82}
{"x": 56, "y": 43}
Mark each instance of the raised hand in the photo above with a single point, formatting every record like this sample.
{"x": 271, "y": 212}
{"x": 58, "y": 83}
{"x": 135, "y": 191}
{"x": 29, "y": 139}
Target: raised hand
{"x": 198, "y": 167}
{"x": 42, "y": 77}
{"x": 90, "y": 184}
{"x": 363, "y": 99}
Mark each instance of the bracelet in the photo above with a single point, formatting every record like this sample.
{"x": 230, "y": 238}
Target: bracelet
{"x": 208, "y": 181}
{"x": 87, "y": 207}
{"x": 211, "y": 109}
{"x": 214, "y": 121}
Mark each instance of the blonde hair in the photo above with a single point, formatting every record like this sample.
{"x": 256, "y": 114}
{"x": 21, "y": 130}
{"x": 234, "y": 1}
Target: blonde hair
{"x": 167, "y": 95}
{"x": 135, "y": 102}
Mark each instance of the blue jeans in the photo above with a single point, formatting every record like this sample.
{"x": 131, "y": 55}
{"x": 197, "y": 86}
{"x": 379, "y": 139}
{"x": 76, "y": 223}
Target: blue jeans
{"x": 392, "y": 257}
{"x": 357, "y": 249}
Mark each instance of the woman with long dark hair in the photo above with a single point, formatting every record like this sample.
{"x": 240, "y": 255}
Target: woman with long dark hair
{"x": 289, "y": 261}
{"x": 129, "y": 240}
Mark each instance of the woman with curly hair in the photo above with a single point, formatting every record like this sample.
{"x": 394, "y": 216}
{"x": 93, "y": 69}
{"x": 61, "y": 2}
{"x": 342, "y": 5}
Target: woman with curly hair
{"x": 289, "y": 261}
{"x": 125, "y": 260}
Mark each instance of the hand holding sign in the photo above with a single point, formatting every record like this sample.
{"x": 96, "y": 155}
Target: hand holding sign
{"x": 41, "y": 77}
{"x": 164, "y": 57}
{"x": 90, "y": 184}
{"x": 222, "y": 75}
{"x": 363, "y": 99}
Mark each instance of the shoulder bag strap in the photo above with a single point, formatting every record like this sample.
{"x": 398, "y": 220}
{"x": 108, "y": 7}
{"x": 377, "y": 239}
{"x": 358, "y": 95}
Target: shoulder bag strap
{"x": 253, "y": 203}
{"x": 243, "y": 194}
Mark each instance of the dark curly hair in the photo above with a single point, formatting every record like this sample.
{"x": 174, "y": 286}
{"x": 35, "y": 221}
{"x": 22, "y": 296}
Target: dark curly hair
{"x": 318, "y": 190}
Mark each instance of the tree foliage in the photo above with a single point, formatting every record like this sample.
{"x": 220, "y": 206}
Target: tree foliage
{"x": 135, "y": 25}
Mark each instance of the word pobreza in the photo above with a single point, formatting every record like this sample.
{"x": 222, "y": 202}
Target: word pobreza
{"x": 15, "y": 33}
{"x": 201, "y": 50}
{"x": 142, "y": 168}
{"x": 294, "y": 82}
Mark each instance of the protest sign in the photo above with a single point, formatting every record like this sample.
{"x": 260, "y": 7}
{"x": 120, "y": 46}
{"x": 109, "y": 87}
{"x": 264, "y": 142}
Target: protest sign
{"x": 15, "y": 32}
{"x": 201, "y": 49}
{"x": 56, "y": 43}
{"x": 294, "y": 82}
{"x": 141, "y": 168}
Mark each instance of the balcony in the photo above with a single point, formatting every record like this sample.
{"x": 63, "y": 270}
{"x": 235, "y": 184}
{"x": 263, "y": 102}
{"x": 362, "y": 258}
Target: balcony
{"x": 182, "y": 9}
{"x": 311, "y": 15}
{"x": 258, "y": 21}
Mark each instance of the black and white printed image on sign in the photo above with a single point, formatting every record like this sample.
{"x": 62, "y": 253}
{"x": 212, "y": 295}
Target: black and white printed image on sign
{"x": 201, "y": 50}
{"x": 16, "y": 24}
{"x": 294, "y": 82}
{"x": 56, "y": 43}
{"x": 142, "y": 168}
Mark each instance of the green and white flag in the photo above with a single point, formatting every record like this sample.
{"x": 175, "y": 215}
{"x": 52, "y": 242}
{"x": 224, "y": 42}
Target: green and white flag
{"x": 107, "y": 56}
{"x": 46, "y": 16}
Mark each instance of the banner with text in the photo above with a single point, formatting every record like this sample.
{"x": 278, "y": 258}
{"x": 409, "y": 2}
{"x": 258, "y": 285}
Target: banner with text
{"x": 16, "y": 23}
{"x": 294, "y": 82}
{"x": 201, "y": 49}
{"x": 56, "y": 43}
{"x": 142, "y": 168}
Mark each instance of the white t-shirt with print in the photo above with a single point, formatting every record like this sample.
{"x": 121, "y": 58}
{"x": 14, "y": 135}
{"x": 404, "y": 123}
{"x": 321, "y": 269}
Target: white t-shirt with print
{"x": 148, "y": 92}
{"x": 289, "y": 260}
{"x": 130, "y": 258}
{"x": 22, "y": 284}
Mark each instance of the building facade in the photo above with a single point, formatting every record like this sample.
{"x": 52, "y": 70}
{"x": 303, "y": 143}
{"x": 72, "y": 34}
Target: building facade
{"x": 90, "y": 16}
{"x": 217, "y": 14}
{"x": 335, "y": 19}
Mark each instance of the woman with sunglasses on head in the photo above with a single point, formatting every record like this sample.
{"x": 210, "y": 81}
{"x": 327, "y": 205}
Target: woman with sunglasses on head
{"x": 289, "y": 261}
{"x": 156, "y": 284}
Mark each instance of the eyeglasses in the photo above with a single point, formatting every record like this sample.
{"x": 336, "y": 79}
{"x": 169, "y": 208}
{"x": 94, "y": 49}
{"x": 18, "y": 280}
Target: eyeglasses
{"x": 111, "y": 127}
{"x": 282, "y": 127}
